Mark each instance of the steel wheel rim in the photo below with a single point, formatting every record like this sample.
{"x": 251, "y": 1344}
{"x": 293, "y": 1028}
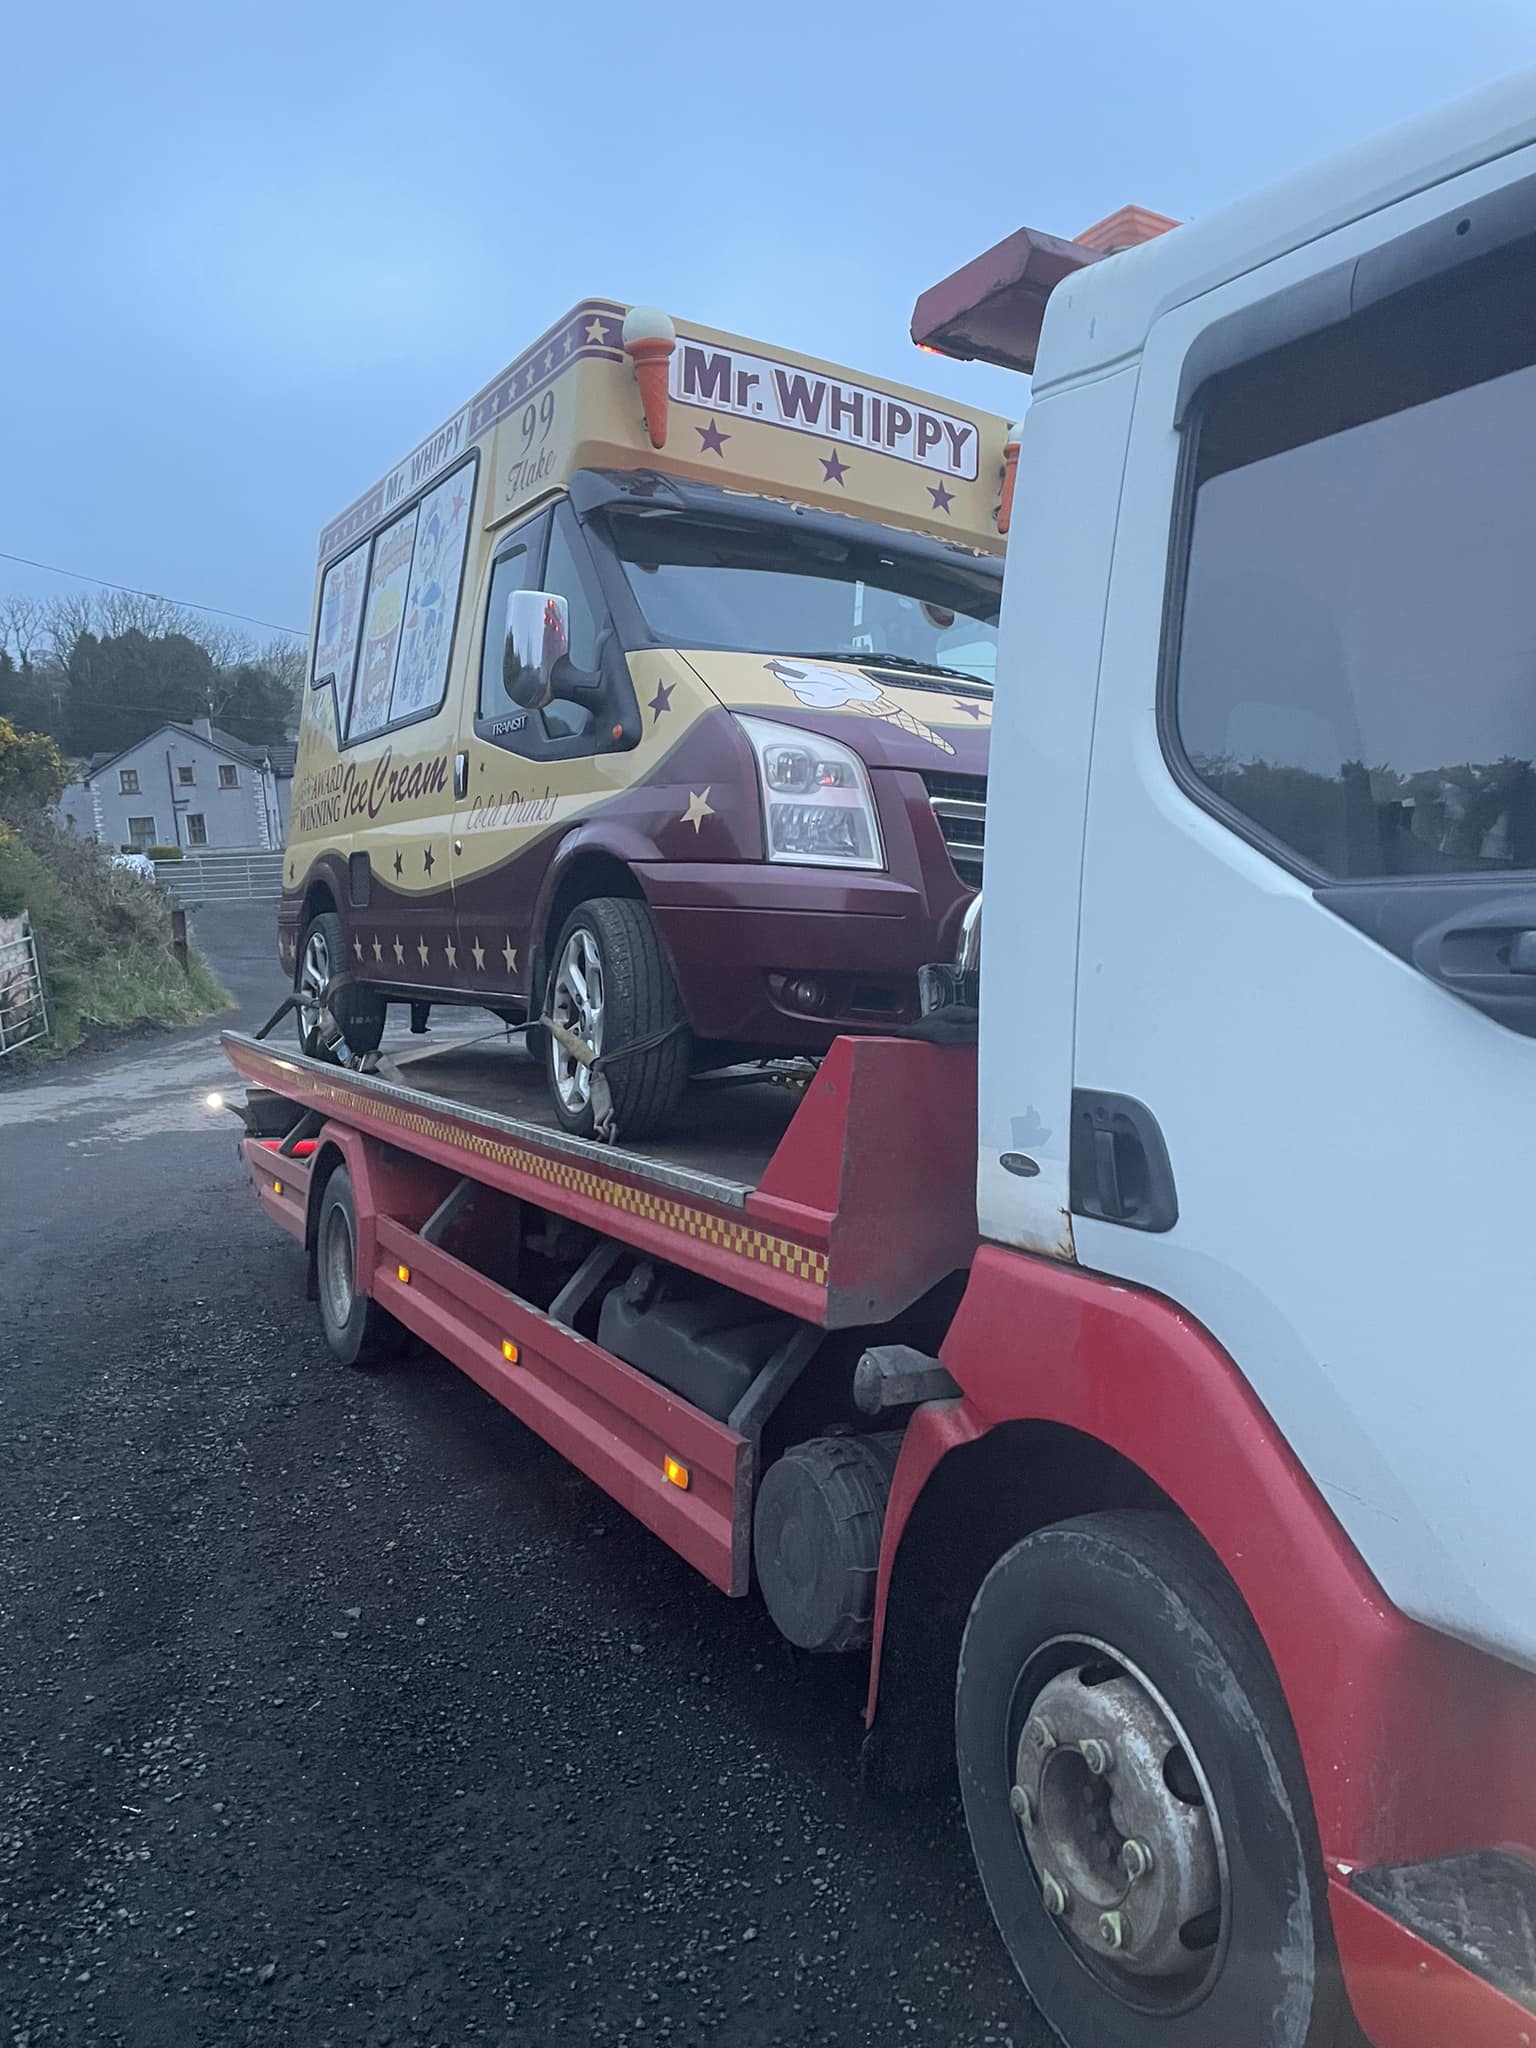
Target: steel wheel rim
{"x": 576, "y": 1002}
{"x": 1085, "y": 1922}
{"x": 338, "y": 1266}
{"x": 314, "y": 978}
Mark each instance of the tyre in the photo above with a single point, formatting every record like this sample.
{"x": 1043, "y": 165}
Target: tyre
{"x": 611, "y": 984}
{"x": 1135, "y": 1796}
{"x": 358, "y": 1331}
{"x": 359, "y": 1011}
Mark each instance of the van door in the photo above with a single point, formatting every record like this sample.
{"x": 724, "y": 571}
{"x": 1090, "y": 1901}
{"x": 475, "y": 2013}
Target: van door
{"x": 528, "y": 776}
{"x": 1310, "y": 858}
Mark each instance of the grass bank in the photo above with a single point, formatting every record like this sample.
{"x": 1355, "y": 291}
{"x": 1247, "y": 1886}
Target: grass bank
{"x": 104, "y": 939}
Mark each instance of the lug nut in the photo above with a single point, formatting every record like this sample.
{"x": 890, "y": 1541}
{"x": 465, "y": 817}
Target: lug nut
{"x": 1114, "y": 1931}
{"x": 1041, "y": 1734}
{"x": 1096, "y": 1755}
{"x": 1022, "y": 1804}
{"x": 1135, "y": 1860}
{"x": 1054, "y": 1894}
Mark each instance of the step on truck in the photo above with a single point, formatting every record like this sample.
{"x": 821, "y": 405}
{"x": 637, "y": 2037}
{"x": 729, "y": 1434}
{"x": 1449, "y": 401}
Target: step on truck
{"x": 1142, "y": 1391}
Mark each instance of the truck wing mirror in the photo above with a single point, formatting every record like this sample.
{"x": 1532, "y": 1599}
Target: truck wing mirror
{"x": 538, "y": 636}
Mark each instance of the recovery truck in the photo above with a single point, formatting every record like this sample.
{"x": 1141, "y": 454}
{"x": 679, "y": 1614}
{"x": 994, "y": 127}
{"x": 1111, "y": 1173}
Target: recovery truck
{"x": 1141, "y": 1391}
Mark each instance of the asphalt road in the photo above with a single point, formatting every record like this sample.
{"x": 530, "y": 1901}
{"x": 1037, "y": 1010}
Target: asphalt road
{"x": 335, "y": 1708}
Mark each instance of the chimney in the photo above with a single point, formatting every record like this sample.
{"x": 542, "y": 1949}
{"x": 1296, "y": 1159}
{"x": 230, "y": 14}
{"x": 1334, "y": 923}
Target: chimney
{"x": 203, "y": 727}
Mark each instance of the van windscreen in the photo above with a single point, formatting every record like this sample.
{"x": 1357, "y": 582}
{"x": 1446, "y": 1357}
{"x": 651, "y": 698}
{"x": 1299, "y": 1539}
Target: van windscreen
{"x": 766, "y": 586}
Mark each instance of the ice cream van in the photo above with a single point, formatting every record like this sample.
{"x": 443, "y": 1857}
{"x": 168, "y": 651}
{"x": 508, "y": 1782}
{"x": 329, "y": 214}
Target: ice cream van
{"x": 648, "y": 707}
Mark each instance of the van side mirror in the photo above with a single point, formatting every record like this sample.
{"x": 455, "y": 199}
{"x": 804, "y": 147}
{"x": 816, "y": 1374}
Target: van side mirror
{"x": 538, "y": 638}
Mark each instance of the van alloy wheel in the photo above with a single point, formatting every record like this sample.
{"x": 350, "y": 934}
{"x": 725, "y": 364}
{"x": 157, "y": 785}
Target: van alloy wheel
{"x": 612, "y": 988}
{"x": 358, "y": 1012}
{"x": 577, "y": 1003}
{"x": 314, "y": 977}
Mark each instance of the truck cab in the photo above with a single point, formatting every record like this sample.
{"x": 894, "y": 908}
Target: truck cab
{"x": 673, "y": 748}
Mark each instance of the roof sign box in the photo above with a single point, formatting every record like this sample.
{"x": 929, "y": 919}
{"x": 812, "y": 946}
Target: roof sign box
{"x": 762, "y": 421}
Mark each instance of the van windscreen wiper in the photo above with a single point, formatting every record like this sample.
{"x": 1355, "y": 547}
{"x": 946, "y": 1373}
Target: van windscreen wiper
{"x": 857, "y": 659}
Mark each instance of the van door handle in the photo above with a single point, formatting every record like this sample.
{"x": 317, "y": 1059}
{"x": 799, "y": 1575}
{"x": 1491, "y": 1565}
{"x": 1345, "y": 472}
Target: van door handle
{"x": 461, "y": 776}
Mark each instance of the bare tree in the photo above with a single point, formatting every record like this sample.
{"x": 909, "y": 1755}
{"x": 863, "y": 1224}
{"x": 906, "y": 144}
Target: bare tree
{"x": 23, "y": 628}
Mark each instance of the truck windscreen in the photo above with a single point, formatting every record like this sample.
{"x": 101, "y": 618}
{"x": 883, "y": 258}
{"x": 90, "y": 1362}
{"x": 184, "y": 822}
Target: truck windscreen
{"x": 766, "y": 587}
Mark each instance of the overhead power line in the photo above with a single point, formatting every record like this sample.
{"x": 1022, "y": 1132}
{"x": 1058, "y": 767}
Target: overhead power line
{"x": 129, "y": 590}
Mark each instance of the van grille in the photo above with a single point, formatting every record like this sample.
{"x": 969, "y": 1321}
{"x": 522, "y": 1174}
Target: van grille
{"x": 959, "y": 802}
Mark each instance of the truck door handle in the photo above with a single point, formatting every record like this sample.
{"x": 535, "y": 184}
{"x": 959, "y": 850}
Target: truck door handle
{"x": 461, "y": 776}
{"x": 1119, "y": 1169}
{"x": 1485, "y": 953}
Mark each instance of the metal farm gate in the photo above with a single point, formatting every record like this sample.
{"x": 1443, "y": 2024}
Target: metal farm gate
{"x": 23, "y": 1005}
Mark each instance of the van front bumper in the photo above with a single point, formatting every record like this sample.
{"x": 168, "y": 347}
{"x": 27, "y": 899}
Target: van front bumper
{"x": 792, "y": 957}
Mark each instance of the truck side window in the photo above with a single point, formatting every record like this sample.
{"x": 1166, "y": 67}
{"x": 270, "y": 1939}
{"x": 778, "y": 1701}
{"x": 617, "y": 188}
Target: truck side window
{"x": 1359, "y": 622}
{"x": 517, "y": 568}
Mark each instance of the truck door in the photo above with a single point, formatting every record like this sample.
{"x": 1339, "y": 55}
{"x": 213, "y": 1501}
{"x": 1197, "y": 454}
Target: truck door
{"x": 529, "y": 777}
{"x": 1307, "y": 956}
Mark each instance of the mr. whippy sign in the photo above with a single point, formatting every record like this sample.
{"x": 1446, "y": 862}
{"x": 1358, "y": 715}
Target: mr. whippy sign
{"x": 728, "y": 380}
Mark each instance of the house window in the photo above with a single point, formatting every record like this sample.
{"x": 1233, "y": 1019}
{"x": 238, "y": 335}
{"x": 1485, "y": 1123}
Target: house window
{"x": 229, "y": 775}
{"x": 142, "y": 832}
{"x": 184, "y": 774}
{"x": 128, "y": 781}
{"x": 197, "y": 829}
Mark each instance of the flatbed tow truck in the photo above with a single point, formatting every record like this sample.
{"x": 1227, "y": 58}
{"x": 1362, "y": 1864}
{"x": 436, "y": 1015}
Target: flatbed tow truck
{"x": 1143, "y": 1390}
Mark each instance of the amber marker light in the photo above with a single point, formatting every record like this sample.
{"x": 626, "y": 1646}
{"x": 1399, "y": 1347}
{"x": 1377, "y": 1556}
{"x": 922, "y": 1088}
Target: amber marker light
{"x": 509, "y": 1351}
{"x": 676, "y": 1473}
{"x": 403, "y": 1275}
{"x": 277, "y": 1187}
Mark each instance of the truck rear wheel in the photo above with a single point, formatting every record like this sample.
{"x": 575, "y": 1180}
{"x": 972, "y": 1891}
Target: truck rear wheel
{"x": 1135, "y": 1796}
{"x": 358, "y": 1331}
{"x": 611, "y": 985}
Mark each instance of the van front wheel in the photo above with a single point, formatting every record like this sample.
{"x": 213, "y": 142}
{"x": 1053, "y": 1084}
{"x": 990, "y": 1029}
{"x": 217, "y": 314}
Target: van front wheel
{"x": 611, "y": 986}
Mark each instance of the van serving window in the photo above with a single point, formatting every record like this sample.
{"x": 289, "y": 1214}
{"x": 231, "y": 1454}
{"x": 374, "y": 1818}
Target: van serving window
{"x": 388, "y": 610}
{"x": 341, "y": 612}
{"x": 1358, "y": 640}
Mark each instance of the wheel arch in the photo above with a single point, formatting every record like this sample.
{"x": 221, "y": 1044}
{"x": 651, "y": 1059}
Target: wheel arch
{"x": 987, "y": 1491}
{"x": 330, "y": 1154}
{"x": 582, "y": 870}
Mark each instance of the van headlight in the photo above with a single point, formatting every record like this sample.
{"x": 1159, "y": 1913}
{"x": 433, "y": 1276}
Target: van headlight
{"x": 817, "y": 804}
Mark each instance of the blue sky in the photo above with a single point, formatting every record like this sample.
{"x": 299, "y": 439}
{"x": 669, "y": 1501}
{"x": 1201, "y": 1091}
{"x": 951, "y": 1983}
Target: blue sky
{"x": 253, "y": 255}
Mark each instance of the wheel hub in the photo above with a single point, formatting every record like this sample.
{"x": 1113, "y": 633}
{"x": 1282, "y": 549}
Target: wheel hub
{"x": 577, "y": 1004}
{"x": 314, "y": 978}
{"x": 1118, "y": 1822}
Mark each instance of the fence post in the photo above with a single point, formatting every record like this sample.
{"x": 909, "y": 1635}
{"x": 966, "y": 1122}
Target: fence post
{"x": 179, "y": 937}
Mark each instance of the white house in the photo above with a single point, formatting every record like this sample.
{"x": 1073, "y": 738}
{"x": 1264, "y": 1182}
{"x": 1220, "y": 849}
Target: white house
{"x": 185, "y": 785}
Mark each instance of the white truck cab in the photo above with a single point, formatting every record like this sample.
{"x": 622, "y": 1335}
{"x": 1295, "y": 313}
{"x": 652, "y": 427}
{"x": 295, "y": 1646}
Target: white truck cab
{"x": 1273, "y": 669}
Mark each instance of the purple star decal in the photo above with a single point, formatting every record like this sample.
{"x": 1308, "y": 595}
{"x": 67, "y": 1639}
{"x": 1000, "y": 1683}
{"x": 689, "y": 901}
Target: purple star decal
{"x": 662, "y": 701}
{"x": 970, "y": 709}
{"x": 942, "y": 497}
{"x": 714, "y": 441}
{"x": 833, "y": 468}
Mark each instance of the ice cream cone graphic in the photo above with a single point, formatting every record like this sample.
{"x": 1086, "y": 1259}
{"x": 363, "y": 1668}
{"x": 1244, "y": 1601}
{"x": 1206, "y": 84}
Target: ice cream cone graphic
{"x": 835, "y": 689}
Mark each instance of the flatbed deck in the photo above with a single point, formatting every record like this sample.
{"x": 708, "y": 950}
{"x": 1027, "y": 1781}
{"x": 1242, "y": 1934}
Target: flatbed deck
{"x": 838, "y": 1215}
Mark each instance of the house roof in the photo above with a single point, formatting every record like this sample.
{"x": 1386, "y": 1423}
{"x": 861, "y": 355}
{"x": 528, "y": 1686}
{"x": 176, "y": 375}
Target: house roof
{"x": 282, "y": 754}
{"x": 222, "y": 742}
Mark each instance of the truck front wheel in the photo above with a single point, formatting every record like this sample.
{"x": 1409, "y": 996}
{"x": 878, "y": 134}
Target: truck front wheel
{"x": 1135, "y": 1796}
